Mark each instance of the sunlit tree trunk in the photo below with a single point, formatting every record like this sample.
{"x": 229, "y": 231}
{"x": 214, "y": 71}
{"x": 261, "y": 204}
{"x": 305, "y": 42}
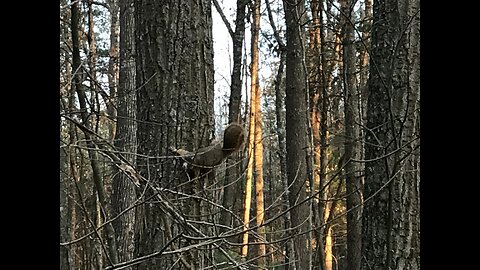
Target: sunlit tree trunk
{"x": 254, "y": 143}
{"x": 249, "y": 175}
{"x": 259, "y": 196}
{"x": 329, "y": 249}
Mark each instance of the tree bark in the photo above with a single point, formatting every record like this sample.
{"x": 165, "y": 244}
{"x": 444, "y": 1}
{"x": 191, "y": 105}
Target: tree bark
{"x": 174, "y": 50}
{"x": 329, "y": 249}
{"x": 249, "y": 175}
{"x": 390, "y": 225}
{"x": 289, "y": 259}
{"x": 352, "y": 149}
{"x": 376, "y": 221}
{"x": 296, "y": 135}
{"x": 252, "y": 137}
{"x": 113, "y": 63}
{"x": 406, "y": 78}
{"x": 258, "y": 141}
{"x": 316, "y": 86}
{"x": 123, "y": 189}
{"x": 64, "y": 210}
{"x": 232, "y": 185}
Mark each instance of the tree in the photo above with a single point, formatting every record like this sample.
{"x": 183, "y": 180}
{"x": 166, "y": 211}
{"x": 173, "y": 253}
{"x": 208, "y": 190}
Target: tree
{"x": 352, "y": 150}
{"x": 255, "y": 146}
{"x": 279, "y": 88}
{"x": 123, "y": 188}
{"x": 64, "y": 213}
{"x": 175, "y": 108}
{"x": 318, "y": 111}
{"x": 113, "y": 63}
{"x": 232, "y": 185}
{"x": 391, "y": 211}
{"x": 86, "y": 127}
{"x": 65, "y": 183}
{"x": 296, "y": 135}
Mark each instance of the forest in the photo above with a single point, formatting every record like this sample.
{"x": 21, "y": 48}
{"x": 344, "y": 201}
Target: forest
{"x": 239, "y": 134}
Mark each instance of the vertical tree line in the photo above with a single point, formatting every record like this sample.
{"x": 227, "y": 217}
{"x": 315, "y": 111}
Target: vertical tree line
{"x": 322, "y": 168}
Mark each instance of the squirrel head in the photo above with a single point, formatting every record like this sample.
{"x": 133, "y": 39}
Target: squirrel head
{"x": 233, "y": 137}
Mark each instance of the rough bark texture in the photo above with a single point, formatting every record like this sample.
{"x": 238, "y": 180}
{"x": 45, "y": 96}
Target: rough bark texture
{"x": 376, "y": 210}
{"x": 296, "y": 135}
{"x": 64, "y": 211}
{"x": 352, "y": 149}
{"x": 123, "y": 189}
{"x": 391, "y": 213}
{"x": 175, "y": 107}
{"x": 406, "y": 202}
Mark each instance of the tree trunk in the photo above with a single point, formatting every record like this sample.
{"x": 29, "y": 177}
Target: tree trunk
{"x": 249, "y": 175}
{"x": 113, "y": 63}
{"x": 280, "y": 120}
{"x": 259, "y": 196}
{"x": 315, "y": 88}
{"x": 252, "y": 137}
{"x": 352, "y": 149}
{"x": 82, "y": 100}
{"x": 289, "y": 259}
{"x": 175, "y": 109}
{"x": 64, "y": 210}
{"x": 376, "y": 220}
{"x": 232, "y": 185}
{"x": 73, "y": 175}
{"x": 236, "y": 79}
{"x": 406, "y": 78}
{"x": 258, "y": 141}
{"x": 329, "y": 249}
{"x": 296, "y": 135}
{"x": 123, "y": 189}
{"x": 391, "y": 212}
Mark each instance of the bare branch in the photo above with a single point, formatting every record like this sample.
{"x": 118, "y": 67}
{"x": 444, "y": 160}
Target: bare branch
{"x": 224, "y": 19}
{"x": 274, "y": 27}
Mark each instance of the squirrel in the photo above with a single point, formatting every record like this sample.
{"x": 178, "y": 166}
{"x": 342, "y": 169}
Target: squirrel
{"x": 212, "y": 155}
